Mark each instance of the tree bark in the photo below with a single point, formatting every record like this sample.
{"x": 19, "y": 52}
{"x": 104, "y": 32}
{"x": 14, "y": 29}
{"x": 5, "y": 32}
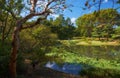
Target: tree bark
{"x": 15, "y": 39}
{"x": 15, "y": 46}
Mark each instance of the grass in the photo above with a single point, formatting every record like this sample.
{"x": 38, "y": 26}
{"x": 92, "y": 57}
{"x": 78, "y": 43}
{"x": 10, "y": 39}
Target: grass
{"x": 89, "y": 42}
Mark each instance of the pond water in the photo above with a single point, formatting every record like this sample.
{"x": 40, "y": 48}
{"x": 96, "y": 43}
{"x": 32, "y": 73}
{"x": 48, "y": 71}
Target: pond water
{"x": 105, "y": 52}
{"x": 66, "y": 67}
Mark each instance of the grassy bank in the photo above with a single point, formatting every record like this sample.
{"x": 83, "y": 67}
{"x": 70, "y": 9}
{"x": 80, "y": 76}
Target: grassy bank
{"x": 90, "y": 42}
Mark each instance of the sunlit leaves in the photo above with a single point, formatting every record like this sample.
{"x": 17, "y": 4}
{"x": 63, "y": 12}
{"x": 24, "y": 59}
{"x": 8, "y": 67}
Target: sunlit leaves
{"x": 85, "y": 24}
{"x": 106, "y": 17}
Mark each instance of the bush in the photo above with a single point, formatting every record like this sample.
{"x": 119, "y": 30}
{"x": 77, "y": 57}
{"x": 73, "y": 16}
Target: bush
{"x": 116, "y": 36}
{"x": 40, "y": 37}
{"x": 5, "y": 50}
{"x": 4, "y": 59}
{"x": 37, "y": 42}
{"x": 93, "y": 72}
{"x": 21, "y": 66}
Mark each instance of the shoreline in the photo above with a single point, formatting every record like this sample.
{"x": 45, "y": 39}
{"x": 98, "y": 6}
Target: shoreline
{"x": 90, "y": 42}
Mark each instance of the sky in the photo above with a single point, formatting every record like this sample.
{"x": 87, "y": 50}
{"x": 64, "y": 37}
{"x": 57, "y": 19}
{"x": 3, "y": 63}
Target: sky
{"x": 78, "y": 11}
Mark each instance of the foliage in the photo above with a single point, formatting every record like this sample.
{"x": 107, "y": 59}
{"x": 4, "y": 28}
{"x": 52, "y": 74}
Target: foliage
{"x": 98, "y": 72}
{"x": 63, "y": 28}
{"x": 85, "y": 24}
{"x": 37, "y": 42}
{"x": 116, "y": 34}
{"x": 21, "y": 67}
{"x": 100, "y": 26}
{"x": 7, "y": 22}
{"x": 4, "y": 59}
{"x": 12, "y": 6}
{"x": 107, "y": 24}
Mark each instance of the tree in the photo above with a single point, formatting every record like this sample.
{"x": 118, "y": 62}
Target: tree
{"x": 85, "y": 24}
{"x": 45, "y": 40}
{"x": 116, "y": 35}
{"x": 40, "y": 11}
{"x": 6, "y": 22}
{"x": 44, "y": 36}
{"x": 106, "y": 21}
{"x": 111, "y": 19}
{"x": 36, "y": 42}
{"x": 64, "y": 28}
{"x": 100, "y": 26}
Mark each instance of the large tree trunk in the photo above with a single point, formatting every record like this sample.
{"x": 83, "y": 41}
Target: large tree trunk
{"x": 15, "y": 40}
{"x": 15, "y": 46}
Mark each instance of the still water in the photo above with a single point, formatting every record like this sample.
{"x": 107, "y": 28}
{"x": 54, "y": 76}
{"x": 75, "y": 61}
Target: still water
{"x": 104, "y": 52}
{"x": 66, "y": 67}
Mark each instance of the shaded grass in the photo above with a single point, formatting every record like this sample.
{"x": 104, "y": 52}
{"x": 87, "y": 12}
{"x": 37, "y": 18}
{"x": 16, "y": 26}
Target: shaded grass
{"x": 100, "y": 73}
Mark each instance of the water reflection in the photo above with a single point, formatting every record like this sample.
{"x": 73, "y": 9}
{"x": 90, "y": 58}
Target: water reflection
{"x": 66, "y": 67}
{"x": 104, "y": 52}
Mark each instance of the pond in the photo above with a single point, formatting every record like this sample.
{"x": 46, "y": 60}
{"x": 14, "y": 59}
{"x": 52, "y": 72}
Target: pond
{"x": 76, "y": 58}
{"x": 66, "y": 67}
{"x": 104, "y": 52}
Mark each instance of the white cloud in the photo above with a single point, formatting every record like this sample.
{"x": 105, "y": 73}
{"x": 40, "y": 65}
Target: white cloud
{"x": 42, "y": 3}
{"x": 105, "y": 1}
{"x": 54, "y": 16}
{"x": 73, "y": 20}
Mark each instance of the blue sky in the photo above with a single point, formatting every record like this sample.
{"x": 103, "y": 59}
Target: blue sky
{"x": 77, "y": 10}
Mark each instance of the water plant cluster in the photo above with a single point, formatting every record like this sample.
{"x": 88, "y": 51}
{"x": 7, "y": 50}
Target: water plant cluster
{"x": 91, "y": 66}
